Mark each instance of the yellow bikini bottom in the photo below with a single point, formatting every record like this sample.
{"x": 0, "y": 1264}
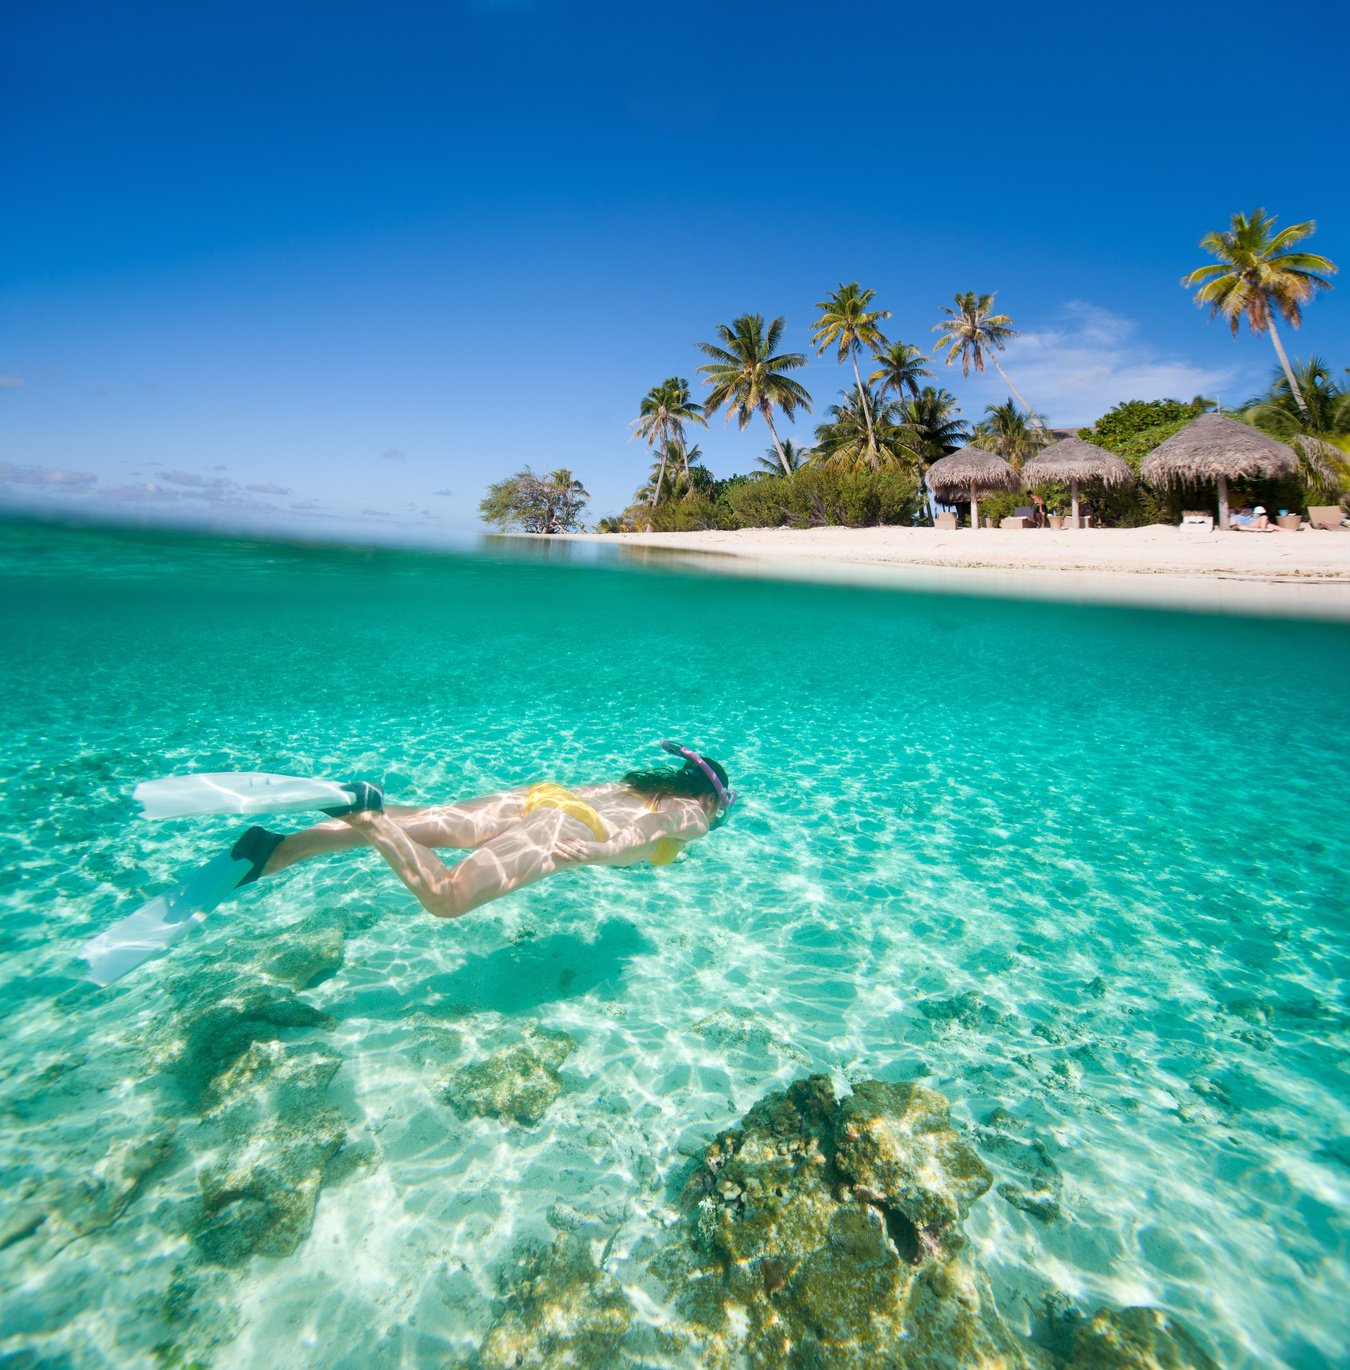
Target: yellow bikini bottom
{"x": 550, "y": 796}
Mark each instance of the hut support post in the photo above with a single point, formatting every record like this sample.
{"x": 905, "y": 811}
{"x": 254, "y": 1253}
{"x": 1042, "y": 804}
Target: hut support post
{"x": 1223, "y": 501}
{"x": 974, "y": 507}
{"x": 1073, "y": 495}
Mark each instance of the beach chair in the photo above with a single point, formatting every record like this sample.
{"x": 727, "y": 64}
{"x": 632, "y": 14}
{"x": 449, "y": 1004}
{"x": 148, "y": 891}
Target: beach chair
{"x": 1014, "y": 521}
{"x": 1330, "y": 516}
{"x": 946, "y": 521}
{"x": 1197, "y": 521}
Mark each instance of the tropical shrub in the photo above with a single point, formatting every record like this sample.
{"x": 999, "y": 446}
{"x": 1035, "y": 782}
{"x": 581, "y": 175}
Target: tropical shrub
{"x": 535, "y": 504}
{"x": 690, "y": 515}
{"x": 827, "y": 496}
{"x": 1132, "y": 430}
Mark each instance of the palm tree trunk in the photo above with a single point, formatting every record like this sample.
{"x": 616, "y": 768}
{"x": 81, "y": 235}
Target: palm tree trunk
{"x": 1288, "y": 370}
{"x": 660, "y": 478}
{"x": 777, "y": 446}
{"x": 867, "y": 413}
{"x": 1017, "y": 395}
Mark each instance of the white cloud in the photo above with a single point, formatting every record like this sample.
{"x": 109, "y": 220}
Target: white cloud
{"x": 10, "y": 382}
{"x": 53, "y": 477}
{"x": 392, "y": 454}
{"x": 1077, "y": 368}
{"x": 196, "y": 481}
{"x": 267, "y": 487}
{"x": 442, "y": 492}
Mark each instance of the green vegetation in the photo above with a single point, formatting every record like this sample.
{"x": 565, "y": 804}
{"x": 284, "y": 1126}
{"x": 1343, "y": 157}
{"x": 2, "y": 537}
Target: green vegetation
{"x": 1010, "y": 433}
{"x": 872, "y": 450}
{"x": 845, "y": 324}
{"x": 535, "y": 504}
{"x": 665, "y": 410}
{"x": 1257, "y": 276}
{"x": 747, "y": 378}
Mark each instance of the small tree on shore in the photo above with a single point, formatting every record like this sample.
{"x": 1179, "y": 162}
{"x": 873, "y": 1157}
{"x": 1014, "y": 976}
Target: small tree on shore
{"x": 535, "y": 504}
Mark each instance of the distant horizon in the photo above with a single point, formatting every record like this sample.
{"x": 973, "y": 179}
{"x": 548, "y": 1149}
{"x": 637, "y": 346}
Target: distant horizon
{"x": 334, "y": 283}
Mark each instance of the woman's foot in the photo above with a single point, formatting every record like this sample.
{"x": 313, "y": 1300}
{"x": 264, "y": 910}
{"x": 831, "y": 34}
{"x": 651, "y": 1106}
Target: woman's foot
{"x": 368, "y": 799}
{"x": 256, "y": 846}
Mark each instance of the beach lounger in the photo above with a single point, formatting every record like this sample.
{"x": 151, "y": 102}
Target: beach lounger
{"x": 1197, "y": 521}
{"x": 945, "y": 521}
{"x": 1327, "y": 516}
{"x": 1015, "y": 521}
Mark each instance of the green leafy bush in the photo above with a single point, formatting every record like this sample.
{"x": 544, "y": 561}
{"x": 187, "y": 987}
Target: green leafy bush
{"x": 822, "y": 496}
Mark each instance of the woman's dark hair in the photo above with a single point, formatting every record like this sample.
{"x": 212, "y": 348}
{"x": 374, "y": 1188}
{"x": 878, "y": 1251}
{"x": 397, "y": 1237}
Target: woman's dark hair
{"x": 686, "y": 782}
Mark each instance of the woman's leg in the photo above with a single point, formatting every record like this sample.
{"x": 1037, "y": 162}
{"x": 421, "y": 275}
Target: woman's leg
{"x": 466, "y": 824}
{"x": 528, "y": 850}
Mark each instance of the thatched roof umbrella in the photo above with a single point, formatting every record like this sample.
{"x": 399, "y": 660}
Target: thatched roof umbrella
{"x": 968, "y": 474}
{"x": 1074, "y": 460}
{"x": 1213, "y": 448}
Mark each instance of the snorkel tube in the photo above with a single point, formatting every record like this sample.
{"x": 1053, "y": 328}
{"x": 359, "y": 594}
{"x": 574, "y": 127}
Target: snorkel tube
{"x": 693, "y": 761}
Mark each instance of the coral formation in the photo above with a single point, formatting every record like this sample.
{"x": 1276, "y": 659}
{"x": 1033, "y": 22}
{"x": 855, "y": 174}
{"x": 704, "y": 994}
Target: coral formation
{"x": 518, "y": 1081}
{"x": 826, "y": 1232}
{"x": 557, "y": 1310}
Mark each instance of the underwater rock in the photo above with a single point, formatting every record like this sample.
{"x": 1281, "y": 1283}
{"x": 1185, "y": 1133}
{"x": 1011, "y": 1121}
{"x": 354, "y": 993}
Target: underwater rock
{"x": 518, "y": 1081}
{"x": 1034, "y": 1185}
{"x": 725, "y": 1029}
{"x": 1136, "y": 1339}
{"x": 202, "y": 1046}
{"x": 262, "y": 1200}
{"x": 824, "y": 1233}
{"x": 557, "y": 1310}
{"x": 821, "y": 1232}
{"x": 967, "y": 1010}
{"x": 897, "y": 1146}
{"x": 307, "y": 956}
{"x": 56, "y": 1211}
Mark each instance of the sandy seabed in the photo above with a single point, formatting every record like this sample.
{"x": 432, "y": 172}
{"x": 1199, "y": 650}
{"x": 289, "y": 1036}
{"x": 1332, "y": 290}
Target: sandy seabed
{"x": 1305, "y": 574}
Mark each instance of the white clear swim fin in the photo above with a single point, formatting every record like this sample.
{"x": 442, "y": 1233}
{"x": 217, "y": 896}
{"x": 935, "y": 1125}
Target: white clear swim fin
{"x": 242, "y": 792}
{"x": 156, "y": 926}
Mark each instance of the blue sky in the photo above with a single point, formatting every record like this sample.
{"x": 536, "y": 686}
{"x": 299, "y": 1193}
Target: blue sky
{"x": 330, "y": 269}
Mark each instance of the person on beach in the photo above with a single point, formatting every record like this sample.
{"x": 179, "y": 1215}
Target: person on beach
{"x": 516, "y": 836}
{"x": 1258, "y": 521}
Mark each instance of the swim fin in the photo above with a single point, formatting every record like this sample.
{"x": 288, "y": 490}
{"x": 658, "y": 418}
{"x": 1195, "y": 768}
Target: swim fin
{"x": 244, "y": 792}
{"x": 156, "y": 926}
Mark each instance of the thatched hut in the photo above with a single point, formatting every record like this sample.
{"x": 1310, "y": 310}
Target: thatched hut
{"x": 968, "y": 474}
{"x": 1079, "y": 463}
{"x": 1213, "y": 448}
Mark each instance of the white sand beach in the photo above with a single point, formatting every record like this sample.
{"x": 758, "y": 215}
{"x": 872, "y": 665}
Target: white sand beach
{"x": 1303, "y": 574}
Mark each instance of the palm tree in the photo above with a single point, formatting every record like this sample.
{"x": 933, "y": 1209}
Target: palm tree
{"x": 938, "y": 428}
{"x": 665, "y": 409}
{"x": 747, "y": 378}
{"x": 1015, "y": 436}
{"x": 1319, "y": 432}
{"x": 794, "y": 454}
{"x": 971, "y": 331}
{"x": 567, "y": 497}
{"x": 846, "y": 324}
{"x": 846, "y": 439}
{"x": 681, "y": 484}
{"x": 1257, "y": 277}
{"x": 899, "y": 368}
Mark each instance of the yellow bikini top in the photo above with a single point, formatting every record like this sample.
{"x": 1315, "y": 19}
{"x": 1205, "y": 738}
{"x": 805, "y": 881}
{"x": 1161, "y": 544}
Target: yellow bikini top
{"x": 667, "y": 848}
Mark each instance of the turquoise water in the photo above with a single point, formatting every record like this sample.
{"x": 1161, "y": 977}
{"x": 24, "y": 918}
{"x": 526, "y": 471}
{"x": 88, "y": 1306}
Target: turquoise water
{"x": 1084, "y": 869}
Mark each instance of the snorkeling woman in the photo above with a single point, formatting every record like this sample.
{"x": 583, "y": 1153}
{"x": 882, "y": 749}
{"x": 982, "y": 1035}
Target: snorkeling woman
{"x": 516, "y": 836}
